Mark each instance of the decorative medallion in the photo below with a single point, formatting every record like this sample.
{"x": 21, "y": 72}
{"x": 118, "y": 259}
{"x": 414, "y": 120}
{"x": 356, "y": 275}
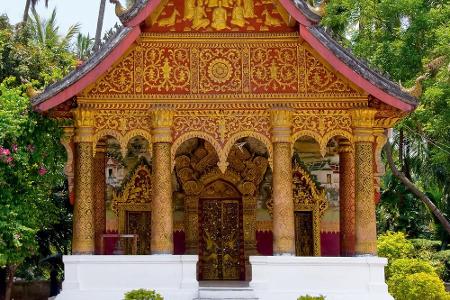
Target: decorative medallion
{"x": 220, "y": 70}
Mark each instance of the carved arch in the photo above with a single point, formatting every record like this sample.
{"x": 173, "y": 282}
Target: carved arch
{"x": 334, "y": 133}
{"x": 308, "y": 133}
{"x": 248, "y": 133}
{"x": 104, "y": 133}
{"x": 134, "y": 133}
{"x": 195, "y": 134}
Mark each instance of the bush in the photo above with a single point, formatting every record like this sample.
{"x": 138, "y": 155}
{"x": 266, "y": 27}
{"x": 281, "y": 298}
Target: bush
{"x": 418, "y": 286}
{"x": 408, "y": 266}
{"x": 142, "y": 294}
{"x": 308, "y": 297}
{"x": 442, "y": 260}
{"x": 394, "y": 245}
{"x": 424, "y": 244}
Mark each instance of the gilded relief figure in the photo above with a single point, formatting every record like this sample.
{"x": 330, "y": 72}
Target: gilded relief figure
{"x": 213, "y": 3}
{"x": 249, "y": 11}
{"x": 219, "y": 17}
{"x": 189, "y": 9}
{"x": 169, "y": 21}
{"x": 200, "y": 19}
{"x": 227, "y": 3}
{"x": 270, "y": 21}
{"x": 238, "y": 14}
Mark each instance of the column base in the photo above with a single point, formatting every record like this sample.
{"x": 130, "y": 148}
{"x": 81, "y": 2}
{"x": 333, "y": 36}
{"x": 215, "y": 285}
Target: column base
{"x": 336, "y": 278}
{"x": 109, "y": 277}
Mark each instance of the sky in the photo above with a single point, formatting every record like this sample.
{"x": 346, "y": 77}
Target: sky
{"x": 68, "y": 12}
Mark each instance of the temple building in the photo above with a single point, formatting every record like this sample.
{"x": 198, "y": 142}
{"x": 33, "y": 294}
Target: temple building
{"x": 224, "y": 149}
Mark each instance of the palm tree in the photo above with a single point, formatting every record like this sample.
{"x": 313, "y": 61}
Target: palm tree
{"x": 84, "y": 46}
{"x": 32, "y": 4}
{"x": 101, "y": 17}
{"x": 46, "y": 32}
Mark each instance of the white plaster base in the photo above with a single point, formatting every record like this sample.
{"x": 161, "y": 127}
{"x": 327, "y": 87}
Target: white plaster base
{"x": 102, "y": 277}
{"x": 337, "y": 278}
{"x": 108, "y": 277}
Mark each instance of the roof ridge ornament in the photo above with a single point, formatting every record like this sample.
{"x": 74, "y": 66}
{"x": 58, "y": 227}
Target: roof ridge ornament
{"x": 319, "y": 9}
{"x": 119, "y": 9}
{"x": 417, "y": 89}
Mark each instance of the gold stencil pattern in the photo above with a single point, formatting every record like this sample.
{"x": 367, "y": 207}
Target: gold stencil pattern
{"x": 262, "y": 67}
{"x": 274, "y": 69}
{"x": 366, "y": 232}
{"x": 119, "y": 79}
{"x": 166, "y": 70}
{"x": 83, "y": 219}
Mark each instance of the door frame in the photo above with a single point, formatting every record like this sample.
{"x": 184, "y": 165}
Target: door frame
{"x": 201, "y": 244}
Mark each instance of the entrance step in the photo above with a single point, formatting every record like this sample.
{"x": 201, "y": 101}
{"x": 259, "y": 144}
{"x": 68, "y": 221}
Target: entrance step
{"x": 225, "y": 290}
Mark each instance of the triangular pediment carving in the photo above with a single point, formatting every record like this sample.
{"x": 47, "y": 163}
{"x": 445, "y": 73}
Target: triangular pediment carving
{"x": 268, "y": 67}
{"x": 220, "y": 16}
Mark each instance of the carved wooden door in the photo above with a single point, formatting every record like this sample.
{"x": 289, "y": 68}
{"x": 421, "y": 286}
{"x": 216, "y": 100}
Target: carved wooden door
{"x": 304, "y": 234}
{"x": 139, "y": 222}
{"x": 221, "y": 253}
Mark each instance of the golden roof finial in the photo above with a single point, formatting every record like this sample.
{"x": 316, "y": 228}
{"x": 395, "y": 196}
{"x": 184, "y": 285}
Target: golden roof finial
{"x": 318, "y": 10}
{"x": 120, "y": 10}
{"x": 417, "y": 89}
{"x": 31, "y": 91}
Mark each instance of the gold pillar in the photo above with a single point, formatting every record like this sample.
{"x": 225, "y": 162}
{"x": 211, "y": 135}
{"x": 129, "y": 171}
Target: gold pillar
{"x": 99, "y": 194}
{"x": 347, "y": 198}
{"x": 191, "y": 223}
{"x": 162, "y": 213}
{"x": 283, "y": 205}
{"x": 83, "y": 212}
{"x": 365, "y": 220}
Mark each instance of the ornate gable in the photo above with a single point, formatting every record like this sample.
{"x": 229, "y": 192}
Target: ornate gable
{"x": 222, "y": 66}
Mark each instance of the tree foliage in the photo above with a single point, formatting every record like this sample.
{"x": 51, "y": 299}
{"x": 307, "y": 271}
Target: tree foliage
{"x": 33, "y": 202}
{"x": 407, "y": 39}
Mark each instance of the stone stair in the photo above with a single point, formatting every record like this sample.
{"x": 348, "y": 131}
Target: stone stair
{"x": 223, "y": 290}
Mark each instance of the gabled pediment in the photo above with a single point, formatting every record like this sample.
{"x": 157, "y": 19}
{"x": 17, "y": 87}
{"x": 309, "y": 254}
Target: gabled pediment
{"x": 260, "y": 65}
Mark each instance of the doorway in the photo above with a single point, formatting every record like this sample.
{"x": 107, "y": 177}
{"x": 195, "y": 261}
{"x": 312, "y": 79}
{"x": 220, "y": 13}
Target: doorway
{"x": 221, "y": 240}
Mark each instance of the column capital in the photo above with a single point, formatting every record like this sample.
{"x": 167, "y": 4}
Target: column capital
{"x": 162, "y": 121}
{"x": 68, "y": 133}
{"x": 363, "y": 121}
{"x": 84, "y": 120}
{"x": 385, "y": 123}
{"x": 281, "y": 121}
{"x": 345, "y": 146}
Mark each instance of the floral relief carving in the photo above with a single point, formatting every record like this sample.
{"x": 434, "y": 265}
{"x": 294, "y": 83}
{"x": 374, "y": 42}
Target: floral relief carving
{"x": 263, "y": 66}
{"x": 122, "y": 121}
{"x": 320, "y": 79}
{"x": 119, "y": 79}
{"x": 220, "y": 70}
{"x": 165, "y": 69}
{"x": 274, "y": 69}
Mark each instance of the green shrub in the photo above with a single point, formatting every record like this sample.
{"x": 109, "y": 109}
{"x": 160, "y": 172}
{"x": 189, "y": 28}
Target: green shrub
{"x": 142, "y": 294}
{"x": 394, "y": 245}
{"x": 308, "y": 297}
{"x": 418, "y": 286}
{"x": 407, "y": 266}
{"x": 424, "y": 244}
{"x": 441, "y": 260}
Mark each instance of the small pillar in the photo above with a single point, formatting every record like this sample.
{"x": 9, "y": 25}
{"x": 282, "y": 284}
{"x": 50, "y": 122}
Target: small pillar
{"x": 162, "y": 213}
{"x": 99, "y": 195}
{"x": 347, "y": 198}
{"x": 83, "y": 212}
{"x": 365, "y": 218}
{"x": 283, "y": 204}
